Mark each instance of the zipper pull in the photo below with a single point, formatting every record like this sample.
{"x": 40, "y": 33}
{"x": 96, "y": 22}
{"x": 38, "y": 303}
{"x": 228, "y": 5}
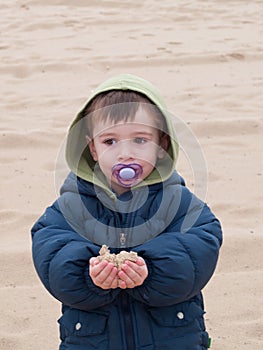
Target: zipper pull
{"x": 122, "y": 239}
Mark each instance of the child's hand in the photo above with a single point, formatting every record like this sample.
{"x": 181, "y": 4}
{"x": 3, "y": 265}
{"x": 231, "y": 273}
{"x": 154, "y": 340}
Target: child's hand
{"x": 132, "y": 274}
{"x": 103, "y": 274}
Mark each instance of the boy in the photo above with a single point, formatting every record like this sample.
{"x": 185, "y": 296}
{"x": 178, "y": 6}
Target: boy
{"x": 123, "y": 191}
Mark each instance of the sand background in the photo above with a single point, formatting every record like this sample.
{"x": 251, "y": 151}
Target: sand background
{"x": 206, "y": 59}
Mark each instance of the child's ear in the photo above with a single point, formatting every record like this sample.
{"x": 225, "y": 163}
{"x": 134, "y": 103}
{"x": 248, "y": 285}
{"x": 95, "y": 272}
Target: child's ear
{"x": 92, "y": 148}
{"x": 164, "y": 145}
{"x": 161, "y": 153}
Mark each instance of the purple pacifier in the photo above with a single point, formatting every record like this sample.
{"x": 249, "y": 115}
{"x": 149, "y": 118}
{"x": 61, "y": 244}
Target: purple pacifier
{"x": 127, "y": 172}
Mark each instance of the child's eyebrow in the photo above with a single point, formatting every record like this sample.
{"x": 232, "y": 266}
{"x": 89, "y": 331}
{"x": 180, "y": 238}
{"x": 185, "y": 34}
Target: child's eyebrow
{"x": 144, "y": 133}
{"x": 107, "y": 134}
{"x": 134, "y": 133}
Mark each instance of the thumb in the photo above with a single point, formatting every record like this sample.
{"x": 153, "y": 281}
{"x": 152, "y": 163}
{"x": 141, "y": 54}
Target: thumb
{"x": 140, "y": 261}
{"x": 93, "y": 261}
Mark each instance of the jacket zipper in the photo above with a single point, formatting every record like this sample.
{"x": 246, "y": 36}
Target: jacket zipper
{"x": 125, "y": 304}
{"x": 127, "y": 319}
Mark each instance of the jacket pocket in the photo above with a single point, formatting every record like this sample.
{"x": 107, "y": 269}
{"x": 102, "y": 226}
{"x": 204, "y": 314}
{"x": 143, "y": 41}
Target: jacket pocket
{"x": 76, "y": 323}
{"x": 178, "y": 326}
{"x": 177, "y": 315}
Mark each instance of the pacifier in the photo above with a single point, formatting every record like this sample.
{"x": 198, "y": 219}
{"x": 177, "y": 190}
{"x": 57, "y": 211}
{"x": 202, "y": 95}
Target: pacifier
{"x": 127, "y": 173}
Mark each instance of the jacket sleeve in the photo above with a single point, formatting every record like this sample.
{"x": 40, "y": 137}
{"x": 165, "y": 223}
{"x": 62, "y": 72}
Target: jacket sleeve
{"x": 61, "y": 258}
{"x": 182, "y": 259}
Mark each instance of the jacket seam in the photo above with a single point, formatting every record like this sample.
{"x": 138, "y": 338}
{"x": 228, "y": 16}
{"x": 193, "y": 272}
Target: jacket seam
{"x": 193, "y": 264}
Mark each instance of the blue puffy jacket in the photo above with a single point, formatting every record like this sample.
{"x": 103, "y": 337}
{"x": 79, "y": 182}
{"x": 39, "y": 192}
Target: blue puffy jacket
{"x": 166, "y": 311}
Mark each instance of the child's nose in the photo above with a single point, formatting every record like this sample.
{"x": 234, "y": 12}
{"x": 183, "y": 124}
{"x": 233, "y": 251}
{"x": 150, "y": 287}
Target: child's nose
{"x": 125, "y": 151}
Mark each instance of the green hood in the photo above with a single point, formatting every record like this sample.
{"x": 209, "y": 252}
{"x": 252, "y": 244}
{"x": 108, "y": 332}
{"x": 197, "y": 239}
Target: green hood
{"x": 78, "y": 156}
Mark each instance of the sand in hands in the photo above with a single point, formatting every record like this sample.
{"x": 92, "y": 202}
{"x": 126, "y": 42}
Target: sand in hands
{"x": 116, "y": 259}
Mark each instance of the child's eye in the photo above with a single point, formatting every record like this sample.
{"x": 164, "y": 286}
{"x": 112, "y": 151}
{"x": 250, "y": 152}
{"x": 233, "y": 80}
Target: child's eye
{"x": 140, "y": 140}
{"x": 110, "y": 142}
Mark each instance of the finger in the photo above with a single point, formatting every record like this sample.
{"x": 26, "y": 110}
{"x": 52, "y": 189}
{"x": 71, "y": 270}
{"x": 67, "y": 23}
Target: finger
{"x": 96, "y": 269}
{"x": 121, "y": 284}
{"x": 140, "y": 261}
{"x": 135, "y": 264}
{"x": 131, "y": 271}
{"x": 111, "y": 279}
{"x": 104, "y": 273}
{"x": 139, "y": 267}
{"x": 137, "y": 274}
{"x": 93, "y": 261}
{"x": 127, "y": 279}
{"x": 114, "y": 283}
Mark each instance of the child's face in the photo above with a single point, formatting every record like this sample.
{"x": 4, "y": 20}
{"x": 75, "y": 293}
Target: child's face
{"x": 137, "y": 141}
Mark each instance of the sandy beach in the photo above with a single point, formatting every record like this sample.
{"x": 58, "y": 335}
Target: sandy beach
{"x": 206, "y": 58}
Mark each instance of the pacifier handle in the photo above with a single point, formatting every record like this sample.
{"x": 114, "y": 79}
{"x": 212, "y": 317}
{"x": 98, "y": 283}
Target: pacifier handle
{"x": 127, "y": 172}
